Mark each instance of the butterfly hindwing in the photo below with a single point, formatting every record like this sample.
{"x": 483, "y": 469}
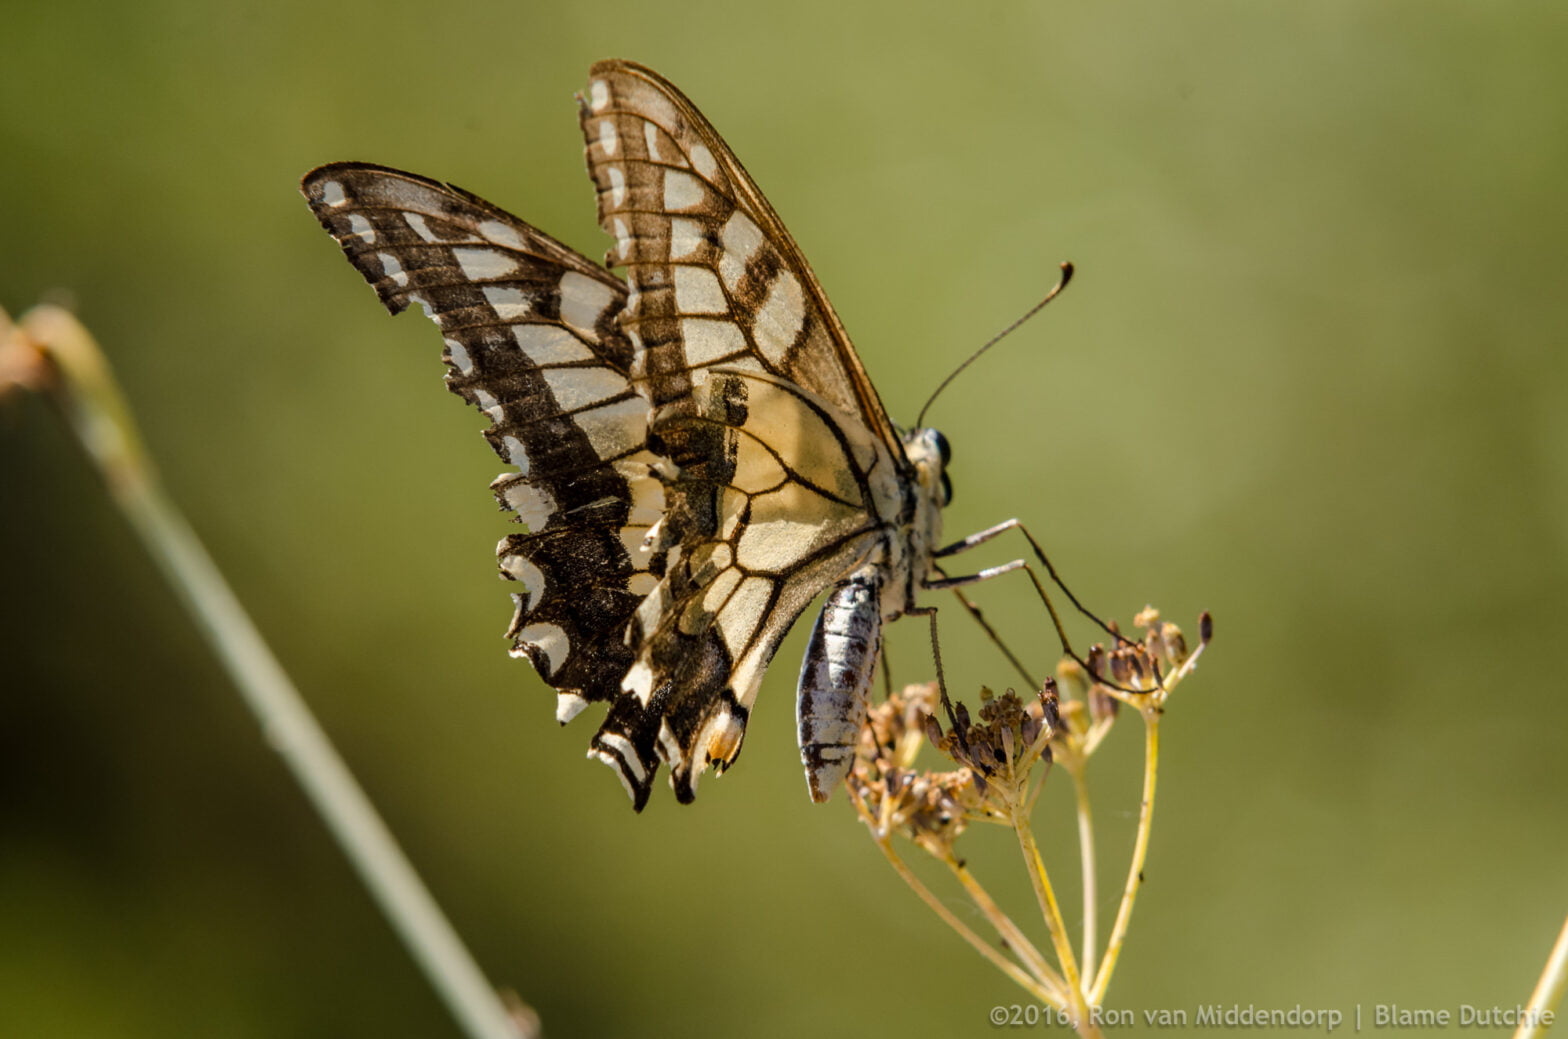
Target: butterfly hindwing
{"x": 783, "y": 461}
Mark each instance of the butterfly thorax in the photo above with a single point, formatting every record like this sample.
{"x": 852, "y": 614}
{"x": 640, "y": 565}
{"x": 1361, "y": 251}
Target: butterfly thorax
{"x": 924, "y": 490}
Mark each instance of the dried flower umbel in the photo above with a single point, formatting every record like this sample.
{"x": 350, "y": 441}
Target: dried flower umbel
{"x": 1000, "y": 764}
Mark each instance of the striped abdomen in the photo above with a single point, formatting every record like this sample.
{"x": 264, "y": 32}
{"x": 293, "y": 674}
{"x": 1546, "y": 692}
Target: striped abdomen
{"x": 835, "y": 678}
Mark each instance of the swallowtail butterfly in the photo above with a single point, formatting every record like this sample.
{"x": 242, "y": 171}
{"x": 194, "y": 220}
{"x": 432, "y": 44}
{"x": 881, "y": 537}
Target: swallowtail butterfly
{"x": 697, "y": 452}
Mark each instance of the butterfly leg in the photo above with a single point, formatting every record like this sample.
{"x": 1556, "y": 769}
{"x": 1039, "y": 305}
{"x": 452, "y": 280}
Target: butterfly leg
{"x": 991, "y": 633}
{"x": 980, "y": 538}
{"x": 929, "y": 612}
{"x": 975, "y": 578}
{"x": 956, "y": 583}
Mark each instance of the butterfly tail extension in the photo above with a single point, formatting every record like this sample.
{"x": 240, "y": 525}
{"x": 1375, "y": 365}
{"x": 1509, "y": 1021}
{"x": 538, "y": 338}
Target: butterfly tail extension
{"x": 697, "y": 728}
{"x": 835, "y": 679}
{"x": 626, "y": 742}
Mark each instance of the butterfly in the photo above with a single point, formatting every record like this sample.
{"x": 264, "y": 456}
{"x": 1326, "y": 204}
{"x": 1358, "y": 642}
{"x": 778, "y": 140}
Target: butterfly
{"x": 697, "y": 452}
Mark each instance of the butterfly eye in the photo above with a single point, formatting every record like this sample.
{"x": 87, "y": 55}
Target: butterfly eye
{"x": 947, "y": 490}
{"x": 942, "y": 446}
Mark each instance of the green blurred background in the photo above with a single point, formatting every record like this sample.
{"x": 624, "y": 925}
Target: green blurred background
{"x": 1309, "y": 378}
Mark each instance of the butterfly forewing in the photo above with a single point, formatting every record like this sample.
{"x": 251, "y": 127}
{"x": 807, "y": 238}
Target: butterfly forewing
{"x": 533, "y": 342}
{"x": 716, "y": 278}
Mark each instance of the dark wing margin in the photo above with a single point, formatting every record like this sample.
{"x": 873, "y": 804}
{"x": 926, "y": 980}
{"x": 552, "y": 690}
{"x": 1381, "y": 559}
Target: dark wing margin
{"x": 533, "y": 341}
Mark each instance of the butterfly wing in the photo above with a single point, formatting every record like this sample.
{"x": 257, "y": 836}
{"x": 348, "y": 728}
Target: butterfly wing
{"x": 532, "y": 341}
{"x": 782, "y": 467}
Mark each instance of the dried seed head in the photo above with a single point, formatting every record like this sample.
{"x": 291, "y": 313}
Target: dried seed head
{"x": 1102, "y": 705}
{"x": 1050, "y": 705}
{"x": 894, "y": 729}
{"x": 930, "y": 808}
{"x": 1000, "y": 749}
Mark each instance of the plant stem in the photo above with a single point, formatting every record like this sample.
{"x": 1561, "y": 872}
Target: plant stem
{"x": 1548, "y": 991}
{"x": 1151, "y": 763}
{"x": 1010, "y": 932}
{"x": 1087, "y": 866}
{"x": 96, "y": 412}
{"x": 1045, "y": 894}
{"x": 1029, "y": 984}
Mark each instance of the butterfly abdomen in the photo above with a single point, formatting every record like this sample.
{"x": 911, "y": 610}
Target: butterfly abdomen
{"x": 835, "y": 679}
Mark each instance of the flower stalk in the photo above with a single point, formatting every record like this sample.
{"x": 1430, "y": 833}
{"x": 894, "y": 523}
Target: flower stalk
{"x": 1000, "y": 761}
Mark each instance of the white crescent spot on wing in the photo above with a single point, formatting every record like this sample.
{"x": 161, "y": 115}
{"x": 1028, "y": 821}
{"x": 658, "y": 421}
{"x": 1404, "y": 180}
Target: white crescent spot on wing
{"x": 568, "y": 706}
{"x": 639, "y": 682}
{"x": 519, "y": 569}
{"x": 516, "y": 453}
{"x": 532, "y": 503}
{"x": 392, "y": 269}
{"x": 486, "y": 402}
{"x": 669, "y": 746}
{"x": 550, "y": 640}
{"x": 457, "y": 356}
{"x": 623, "y": 749}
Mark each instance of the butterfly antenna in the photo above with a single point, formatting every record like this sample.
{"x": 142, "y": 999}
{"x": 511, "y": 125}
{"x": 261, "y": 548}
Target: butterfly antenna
{"x": 1067, "y": 276}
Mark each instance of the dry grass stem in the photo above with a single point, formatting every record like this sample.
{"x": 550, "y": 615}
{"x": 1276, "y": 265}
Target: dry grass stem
{"x": 51, "y": 353}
